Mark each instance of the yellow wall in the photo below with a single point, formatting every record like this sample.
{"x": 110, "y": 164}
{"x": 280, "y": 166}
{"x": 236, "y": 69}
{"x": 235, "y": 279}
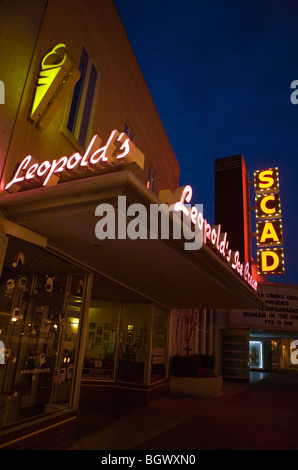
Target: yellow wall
{"x": 19, "y": 33}
{"x": 122, "y": 93}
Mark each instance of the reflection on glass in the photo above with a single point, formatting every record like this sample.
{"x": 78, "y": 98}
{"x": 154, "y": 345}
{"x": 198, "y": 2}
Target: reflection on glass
{"x": 134, "y": 343}
{"x": 99, "y": 360}
{"x": 159, "y": 344}
{"x": 40, "y": 309}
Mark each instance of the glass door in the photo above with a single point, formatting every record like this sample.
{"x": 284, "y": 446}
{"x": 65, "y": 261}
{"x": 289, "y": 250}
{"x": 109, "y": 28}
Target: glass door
{"x": 41, "y": 299}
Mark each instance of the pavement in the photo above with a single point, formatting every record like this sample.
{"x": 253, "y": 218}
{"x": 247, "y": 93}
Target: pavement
{"x": 259, "y": 415}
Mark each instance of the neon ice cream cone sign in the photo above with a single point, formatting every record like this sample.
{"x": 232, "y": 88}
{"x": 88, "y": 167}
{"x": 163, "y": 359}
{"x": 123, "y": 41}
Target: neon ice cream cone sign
{"x": 57, "y": 78}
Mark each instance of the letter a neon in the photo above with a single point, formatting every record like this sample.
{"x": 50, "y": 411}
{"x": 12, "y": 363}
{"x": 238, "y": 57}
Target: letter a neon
{"x": 269, "y": 232}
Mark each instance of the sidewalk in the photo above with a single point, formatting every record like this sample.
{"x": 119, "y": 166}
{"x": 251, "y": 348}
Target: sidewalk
{"x": 259, "y": 415}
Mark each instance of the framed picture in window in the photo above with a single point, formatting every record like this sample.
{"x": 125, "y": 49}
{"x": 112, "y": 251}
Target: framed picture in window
{"x": 99, "y": 330}
{"x": 92, "y": 326}
{"x": 139, "y": 333}
{"x": 107, "y": 326}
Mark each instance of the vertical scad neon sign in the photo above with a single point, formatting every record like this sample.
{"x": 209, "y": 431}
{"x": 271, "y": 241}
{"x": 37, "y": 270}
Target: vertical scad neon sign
{"x": 269, "y": 222}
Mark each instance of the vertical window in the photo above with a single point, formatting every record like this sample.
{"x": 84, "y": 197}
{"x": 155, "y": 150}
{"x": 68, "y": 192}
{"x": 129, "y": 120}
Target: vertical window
{"x": 83, "y": 97}
{"x": 159, "y": 357}
{"x": 99, "y": 360}
{"x": 128, "y": 130}
{"x": 151, "y": 182}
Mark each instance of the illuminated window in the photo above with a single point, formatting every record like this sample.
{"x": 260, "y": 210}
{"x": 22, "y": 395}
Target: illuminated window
{"x": 41, "y": 305}
{"x": 83, "y": 98}
{"x": 151, "y": 182}
{"x": 256, "y": 354}
{"x": 128, "y": 130}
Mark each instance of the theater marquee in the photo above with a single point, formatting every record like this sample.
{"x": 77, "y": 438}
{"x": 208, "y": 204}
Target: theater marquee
{"x": 269, "y": 222}
{"x": 279, "y": 313}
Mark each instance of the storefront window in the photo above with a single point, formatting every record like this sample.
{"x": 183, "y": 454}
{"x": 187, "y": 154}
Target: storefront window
{"x": 125, "y": 342}
{"x": 159, "y": 344}
{"x": 99, "y": 362}
{"x": 134, "y": 342}
{"x": 40, "y": 314}
{"x": 117, "y": 342}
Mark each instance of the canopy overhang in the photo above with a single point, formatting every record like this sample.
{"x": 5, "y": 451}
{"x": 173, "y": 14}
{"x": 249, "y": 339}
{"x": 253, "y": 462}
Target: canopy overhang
{"x": 158, "y": 270}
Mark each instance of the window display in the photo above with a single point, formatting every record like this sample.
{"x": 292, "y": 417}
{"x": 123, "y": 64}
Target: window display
{"x": 121, "y": 344}
{"x": 134, "y": 343}
{"x": 40, "y": 312}
{"x": 99, "y": 361}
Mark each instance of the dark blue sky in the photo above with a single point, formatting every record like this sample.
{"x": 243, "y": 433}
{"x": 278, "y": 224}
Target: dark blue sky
{"x": 220, "y": 73}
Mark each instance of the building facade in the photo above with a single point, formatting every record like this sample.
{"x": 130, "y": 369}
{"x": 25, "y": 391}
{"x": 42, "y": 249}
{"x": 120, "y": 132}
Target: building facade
{"x": 85, "y": 315}
{"x": 232, "y": 201}
{"x": 262, "y": 339}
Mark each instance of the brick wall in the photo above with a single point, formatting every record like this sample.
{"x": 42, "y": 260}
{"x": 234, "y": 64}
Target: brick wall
{"x": 50, "y": 433}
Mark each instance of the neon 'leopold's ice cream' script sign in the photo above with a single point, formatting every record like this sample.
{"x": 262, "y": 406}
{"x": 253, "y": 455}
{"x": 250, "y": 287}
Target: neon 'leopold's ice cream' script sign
{"x": 214, "y": 237}
{"x": 118, "y": 149}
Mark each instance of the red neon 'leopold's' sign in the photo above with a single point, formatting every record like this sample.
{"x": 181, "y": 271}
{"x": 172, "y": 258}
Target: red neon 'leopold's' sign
{"x": 215, "y": 238}
{"x": 117, "y": 150}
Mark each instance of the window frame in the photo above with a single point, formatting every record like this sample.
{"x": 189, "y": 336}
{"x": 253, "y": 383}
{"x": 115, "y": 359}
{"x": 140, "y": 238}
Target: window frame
{"x": 150, "y": 185}
{"x": 74, "y": 131}
{"x": 129, "y": 131}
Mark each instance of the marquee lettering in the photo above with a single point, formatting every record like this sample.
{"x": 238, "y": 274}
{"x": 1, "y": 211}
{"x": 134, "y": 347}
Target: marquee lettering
{"x": 271, "y": 261}
{"x": 264, "y": 204}
{"x": 214, "y": 237}
{"x": 266, "y": 180}
{"x": 269, "y": 233}
{"x": 269, "y": 222}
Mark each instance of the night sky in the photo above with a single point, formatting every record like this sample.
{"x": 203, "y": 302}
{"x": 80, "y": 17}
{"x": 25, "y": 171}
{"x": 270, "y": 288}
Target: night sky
{"x": 220, "y": 75}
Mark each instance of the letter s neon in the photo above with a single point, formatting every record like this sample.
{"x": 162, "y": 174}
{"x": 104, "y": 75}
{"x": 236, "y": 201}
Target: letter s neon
{"x": 266, "y": 179}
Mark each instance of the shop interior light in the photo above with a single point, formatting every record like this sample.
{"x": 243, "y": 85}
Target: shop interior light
{"x": 74, "y": 322}
{"x": 257, "y": 348}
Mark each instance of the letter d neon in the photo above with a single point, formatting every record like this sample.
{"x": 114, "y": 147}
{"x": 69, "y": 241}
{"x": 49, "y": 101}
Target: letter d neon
{"x": 266, "y": 265}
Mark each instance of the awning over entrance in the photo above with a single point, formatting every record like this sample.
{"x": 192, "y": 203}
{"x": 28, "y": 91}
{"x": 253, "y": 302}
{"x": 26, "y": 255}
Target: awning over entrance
{"x": 160, "y": 270}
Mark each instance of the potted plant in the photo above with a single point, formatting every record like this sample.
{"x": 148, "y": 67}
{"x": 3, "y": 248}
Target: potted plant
{"x": 191, "y": 374}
